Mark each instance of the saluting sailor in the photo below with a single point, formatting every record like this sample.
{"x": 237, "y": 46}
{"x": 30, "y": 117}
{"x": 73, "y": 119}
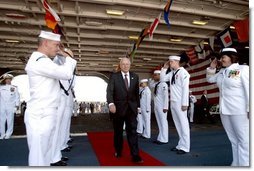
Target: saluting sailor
{"x": 179, "y": 101}
{"x": 63, "y": 115}
{"x": 68, "y": 85}
{"x": 161, "y": 108}
{"x": 233, "y": 83}
{"x": 145, "y": 106}
{"x": 40, "y": 115}
{"x": 9, "y": 103}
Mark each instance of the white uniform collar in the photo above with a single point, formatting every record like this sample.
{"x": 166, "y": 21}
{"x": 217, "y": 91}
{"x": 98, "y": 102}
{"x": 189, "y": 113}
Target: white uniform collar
{"x": 177, "y": 69}
{"x": 232, "y": 66}
{"x": 37, "y": 53}
{"x": 123, "y": 74}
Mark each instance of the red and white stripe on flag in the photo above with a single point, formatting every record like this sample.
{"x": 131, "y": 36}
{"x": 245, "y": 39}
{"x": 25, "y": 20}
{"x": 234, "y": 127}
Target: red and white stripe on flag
{"x": 154, "y": 26}
{"x": 226, "y": 39}
{"x": 198, "y": 82}
{"x": 192, "y": 55}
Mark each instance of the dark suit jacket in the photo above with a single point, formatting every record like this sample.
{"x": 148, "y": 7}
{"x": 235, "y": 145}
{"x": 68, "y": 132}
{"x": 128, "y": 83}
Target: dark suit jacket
{"x": 118, "y": 94}
{"x": 204, "y": 102}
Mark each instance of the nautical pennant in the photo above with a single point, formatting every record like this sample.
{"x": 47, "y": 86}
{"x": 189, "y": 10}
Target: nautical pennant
{"x": 51, "y": 16}
{"x": 166, "y": 11}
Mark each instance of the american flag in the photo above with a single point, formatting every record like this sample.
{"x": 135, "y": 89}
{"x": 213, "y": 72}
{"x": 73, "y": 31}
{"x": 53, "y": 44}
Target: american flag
{"x": 198, "y": 82}
{"x": 192, "y": 55}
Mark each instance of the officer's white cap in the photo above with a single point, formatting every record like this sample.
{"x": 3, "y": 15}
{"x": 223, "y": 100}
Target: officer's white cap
{"x": 7, "y": 76}
{"x": 229, "y": 50}
{"x": 143, "y": 80}
{"x": 50, "y": 36}
{"x": 157, "y": 72}
{"x": 177, "y": 58}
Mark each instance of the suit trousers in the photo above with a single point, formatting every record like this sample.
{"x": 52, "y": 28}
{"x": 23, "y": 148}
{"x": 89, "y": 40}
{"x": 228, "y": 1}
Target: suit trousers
{"x": 130, "y": 120}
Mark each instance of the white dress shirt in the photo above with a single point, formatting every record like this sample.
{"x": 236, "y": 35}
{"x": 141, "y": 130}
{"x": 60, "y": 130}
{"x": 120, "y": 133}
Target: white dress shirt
{"x": 128, "y": 77}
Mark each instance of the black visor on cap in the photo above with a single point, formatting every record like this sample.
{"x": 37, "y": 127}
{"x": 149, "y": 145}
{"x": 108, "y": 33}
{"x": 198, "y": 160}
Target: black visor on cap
{"x": 215, "y": 55}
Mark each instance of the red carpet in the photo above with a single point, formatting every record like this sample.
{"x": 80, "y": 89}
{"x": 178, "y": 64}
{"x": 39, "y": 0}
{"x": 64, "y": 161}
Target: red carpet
{"x": 102, "y": 143}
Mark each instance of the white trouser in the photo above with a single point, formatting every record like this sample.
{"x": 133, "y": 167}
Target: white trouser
{"x": 56, "y": 145}
{"x": 140, "y": 123}
{"x": 182, "y": 126}
{"x": 191, "y": 112}
{"x": 6, "y": 115}
{"x": 68, "y": 109}
{"x": 40, "y": 127}
{"x": 65, "y": 127}
{"x": 75, "y": 112}
{"x": 146, "y": 118}
{"x": 237, "y": 129}
{"x": 162, "y": 122}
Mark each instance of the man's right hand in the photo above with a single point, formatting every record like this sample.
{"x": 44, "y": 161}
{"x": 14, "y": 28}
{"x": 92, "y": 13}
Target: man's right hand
{"x": 65, "y": 52}
{"x": 112, "y": 108}
{"x": 214, "y": 63}
{"x": 166, "y": 65}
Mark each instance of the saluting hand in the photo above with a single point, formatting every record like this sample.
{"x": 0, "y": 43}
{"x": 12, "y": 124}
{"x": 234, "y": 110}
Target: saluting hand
{"x": 166, "y": 65}
{"x": 214, "y": 63}
{"x": 65, "y": 52}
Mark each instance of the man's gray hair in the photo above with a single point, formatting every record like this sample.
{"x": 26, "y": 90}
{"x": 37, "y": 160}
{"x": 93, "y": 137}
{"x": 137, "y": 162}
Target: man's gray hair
{"x": 125, "y": 58}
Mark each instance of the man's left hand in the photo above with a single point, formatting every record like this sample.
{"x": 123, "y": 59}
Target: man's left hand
{"x": 139, "y": 110}
{"x": 184, "y": 108}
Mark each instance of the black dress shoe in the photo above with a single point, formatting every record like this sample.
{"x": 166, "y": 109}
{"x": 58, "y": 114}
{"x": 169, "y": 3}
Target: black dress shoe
{"x": 137, "y": 159}
{"x": 70, "y": 140}
{"x": 159, "y": 143}
{"x": 118, "y": 155}
{"x": 143, "y": 137}
{"x": 64, "y": 158}
{"x": 181, "y": 152}
{"x": 174, "y": 149}
{"x": 67, "y": 149}
{"x": 138, "y": 134}
{"x": 59, "y": 163}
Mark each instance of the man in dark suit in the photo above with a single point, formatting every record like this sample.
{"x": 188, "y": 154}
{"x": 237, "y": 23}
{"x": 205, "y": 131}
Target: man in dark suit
{"x": 206, "y": 107}
{"x": 123, "y": 100}
{"x": 204, "y": 103}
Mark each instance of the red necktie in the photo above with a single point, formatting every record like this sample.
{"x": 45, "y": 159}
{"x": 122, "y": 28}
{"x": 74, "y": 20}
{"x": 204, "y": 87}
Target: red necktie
{"x": 126, "y": 81}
